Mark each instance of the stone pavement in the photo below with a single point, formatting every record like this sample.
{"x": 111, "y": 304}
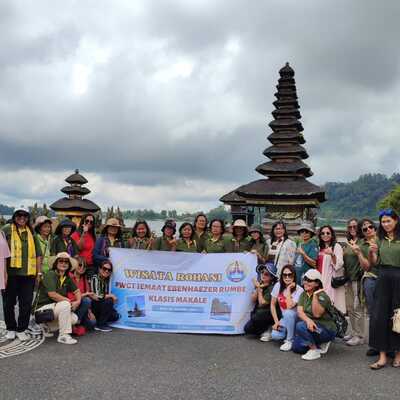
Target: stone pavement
{"x": 139, "y": 365}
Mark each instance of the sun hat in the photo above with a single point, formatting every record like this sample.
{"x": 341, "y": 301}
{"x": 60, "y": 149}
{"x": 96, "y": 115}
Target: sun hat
{"x": 256, "y": 228}
{"x": 20, "y": 210}
{"x": 306, "y": 226}
{"x": 63, "y": 224}
{"x": 40, "y": 221}
{"x": 111, "y": 222}
{"x": 239, "y": 223}
{"x": 73, "y": 262}
{"x": 313, "y": 275}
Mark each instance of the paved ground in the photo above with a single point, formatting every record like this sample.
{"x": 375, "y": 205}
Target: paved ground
{"x": 127, "y": 364}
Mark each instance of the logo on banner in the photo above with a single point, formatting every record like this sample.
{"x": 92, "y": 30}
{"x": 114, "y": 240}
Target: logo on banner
{"x": 236, "y": 271}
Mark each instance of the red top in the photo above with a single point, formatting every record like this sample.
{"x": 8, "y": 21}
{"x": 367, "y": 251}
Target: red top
{"x": 282, "y": 301}
{"x": 82, "y": 285}
{"x": 88, "y": 246}
{"x": 320, "y": 260}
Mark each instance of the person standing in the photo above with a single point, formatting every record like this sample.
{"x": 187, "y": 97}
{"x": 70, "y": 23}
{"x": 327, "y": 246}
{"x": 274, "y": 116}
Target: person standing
{"x": 385, "y": 254}
{"x": 63, "y": 241}
{"x": 23, "y": 267}
{"x": 167, "y": 241}
{"x": 239, "y": 242}
{"x": 215, "y": 242}
{"x": 200, "y": 230}
{"x": 4, "y": 254}
{"x": 141, "y": 238}
{"x": 330, "y": 264}
{"x": 258, "y": 244}
{"x": 186, "y": 242}
{"x": 85, "y": 238}
{"x": 43, "y": 235}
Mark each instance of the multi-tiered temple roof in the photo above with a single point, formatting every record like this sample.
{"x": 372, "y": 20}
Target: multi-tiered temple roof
{"x": 75, "y": 191}
{"x": 285, "y": 173}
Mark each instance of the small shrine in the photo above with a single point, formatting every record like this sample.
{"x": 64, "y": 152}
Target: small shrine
{"x": 74, "y": 206}
{"x": 285, "y": 194}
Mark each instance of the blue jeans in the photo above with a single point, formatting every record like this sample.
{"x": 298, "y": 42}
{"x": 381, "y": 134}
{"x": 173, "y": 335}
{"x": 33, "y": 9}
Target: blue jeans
{"x": 369, "y": 291}
{"x": 304, "y": 338}
{"x": 286, "y": 325}
{"x": 82, "y": 313}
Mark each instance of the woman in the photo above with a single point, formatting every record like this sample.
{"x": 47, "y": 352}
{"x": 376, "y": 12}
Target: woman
{"x": 111, "y": 236}
{"x": 63, "y": 241}
{"x": 102, "y": 300}
{"x": 43, "y": 237}
{"x": 239, "y": 242}
{"x": 317, "y": 327}
{"x": 167, "y": 241}
{"x": 53, "y": 294}
{"x": 200, "y": 230}
{"x": 79, "y": 277}
{"x": 370, "y": 274}
{"x": 385, "y": 254}
{"x": 353, "y": 272}
{"x": 85, "y": 238}
{"x": 141, "y": 236}
{"x": 330, "y": 264}
{"x": 22, "y": 269}
{"x": 258, "y": 244}
{"x": 281, "y": 249}
{"x": 215, "y": 241}
{"x": 187, "y": 243}
{"x": 306, "y": 252}
{"x": 285, "y": 294}
{"x": 261, "y": 318}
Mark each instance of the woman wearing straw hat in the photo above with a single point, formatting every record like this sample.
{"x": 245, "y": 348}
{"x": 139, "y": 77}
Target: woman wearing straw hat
{"x": 53, "y": 294}
{"x": 111, "y": 236}
{"x": 22, "y": 268}
{"x": 239, "y": 242}
{"x": 63, "y": 241}
{"x": 43, "y": 236}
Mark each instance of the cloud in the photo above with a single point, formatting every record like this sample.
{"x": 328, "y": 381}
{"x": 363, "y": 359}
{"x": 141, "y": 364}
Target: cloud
{"x": 164, "y": 100}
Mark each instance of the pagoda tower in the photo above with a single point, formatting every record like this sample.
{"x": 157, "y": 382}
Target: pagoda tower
{"x": 74, "y": 206}
{"x": 285, "y": 194}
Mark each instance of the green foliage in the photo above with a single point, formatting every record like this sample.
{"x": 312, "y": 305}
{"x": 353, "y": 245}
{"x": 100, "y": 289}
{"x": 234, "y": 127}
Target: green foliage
{"x": 220, "y": 213}
{"x": 358, "y": 198}
{"x": 392, "y": 200}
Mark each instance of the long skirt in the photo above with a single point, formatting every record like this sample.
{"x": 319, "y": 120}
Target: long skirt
{"x": 387, "y": 299}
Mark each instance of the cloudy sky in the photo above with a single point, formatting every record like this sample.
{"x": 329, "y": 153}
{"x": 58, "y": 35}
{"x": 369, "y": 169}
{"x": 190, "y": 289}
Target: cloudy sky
{"x": 165, "y": 104}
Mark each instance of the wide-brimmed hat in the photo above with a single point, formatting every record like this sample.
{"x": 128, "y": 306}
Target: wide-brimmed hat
{"x": 40, "y": 221}
{"x": 63, "y": 224}
{"x": 256, "y": 228}
{"x": 239, "y": 223}
{"x": 306, "y": 226}
{"x": 111, "y": 222}
{"x": 73, "y": 262}
{"x": 313, "y": 275}
{"x": 266, "y": 267}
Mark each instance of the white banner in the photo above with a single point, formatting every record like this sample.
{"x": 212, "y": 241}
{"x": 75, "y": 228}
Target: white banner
{"x": 183, "y": 292}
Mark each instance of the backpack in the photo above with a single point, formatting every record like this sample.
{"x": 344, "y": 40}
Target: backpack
{"x": 340, "y": 321}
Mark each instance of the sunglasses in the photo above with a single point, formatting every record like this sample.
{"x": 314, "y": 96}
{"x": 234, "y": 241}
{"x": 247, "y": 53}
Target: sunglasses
{"x": 89, "y": 221}
{"x": 352, "y": 227}
{"x": 21, "y": 215}
{"x": 82, "y": 265}
{"x": 325, "y": 233}
{"x": 308, "y": 279}
{"x": 369, "y": 227}
{"x": 63, "y": 260}
{"x": 387, "y": 212}
{"x": 287, "y": 275}
{"x": 107, "y": 269}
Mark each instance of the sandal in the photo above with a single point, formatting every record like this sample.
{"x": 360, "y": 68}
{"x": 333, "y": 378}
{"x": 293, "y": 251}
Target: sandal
{"x": 396, "y": 364}
{"x": 375, "y": 366}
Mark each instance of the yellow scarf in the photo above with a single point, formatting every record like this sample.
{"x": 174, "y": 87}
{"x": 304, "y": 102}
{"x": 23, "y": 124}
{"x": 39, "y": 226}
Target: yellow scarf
{"x": 16, "y": 250}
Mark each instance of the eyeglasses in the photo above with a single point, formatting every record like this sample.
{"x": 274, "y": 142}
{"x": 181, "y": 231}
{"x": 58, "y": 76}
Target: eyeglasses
{"x": 387, "y": 212}
{"x": 325, "y": 233}
{"x": 352, "y": 227}
{"x": 289, "y": 275}
{"x": 369, "y": 227}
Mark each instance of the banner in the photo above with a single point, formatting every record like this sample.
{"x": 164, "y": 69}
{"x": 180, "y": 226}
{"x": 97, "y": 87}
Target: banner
{"x": 183, "y": 292}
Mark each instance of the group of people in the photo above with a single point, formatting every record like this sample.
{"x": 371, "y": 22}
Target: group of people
{"x": 300, "y": 279}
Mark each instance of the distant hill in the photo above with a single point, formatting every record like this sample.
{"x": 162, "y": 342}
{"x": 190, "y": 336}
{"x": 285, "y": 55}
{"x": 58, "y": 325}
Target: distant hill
{"x": 358, "y": 198}
{"x": 6, "y": 210}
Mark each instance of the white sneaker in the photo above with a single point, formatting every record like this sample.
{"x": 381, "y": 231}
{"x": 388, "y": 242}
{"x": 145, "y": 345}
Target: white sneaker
{"x": 324, "y": 347}
{"x": 311, "y": 355}
{"x": 10, "y": 335}
{"x": 266, "y": 336}
{"x": 23, "y": 336}
{"x": 66, "y": 339}
{"x": 287, "y": 346}
{"x": 46, "y": 331}
{"x": 347, "y": 337}
{"x": 355, "y": 341}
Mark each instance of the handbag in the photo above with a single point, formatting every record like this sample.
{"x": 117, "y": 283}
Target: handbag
{"x": 44, "y": 316}
{"x": 340, "y": 321}
{"x": 396, "y": 320}
{"x": 338, "y": 281}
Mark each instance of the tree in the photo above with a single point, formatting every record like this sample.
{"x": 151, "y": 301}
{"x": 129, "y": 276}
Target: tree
{"x": 392, "y": 200}
{"x": 220, "y": 213}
